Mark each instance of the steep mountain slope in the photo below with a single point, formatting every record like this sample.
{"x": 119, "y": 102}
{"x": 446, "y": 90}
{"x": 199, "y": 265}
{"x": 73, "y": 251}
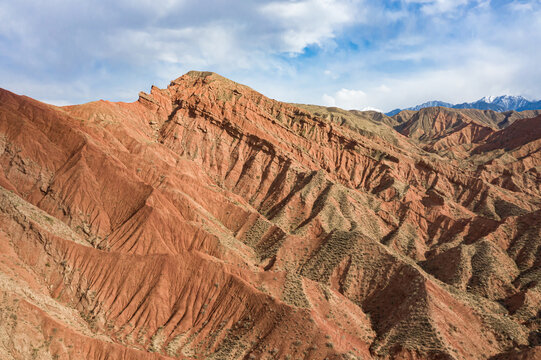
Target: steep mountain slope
{"x": 454, "y": 132}
{"x": 207, "y": 221}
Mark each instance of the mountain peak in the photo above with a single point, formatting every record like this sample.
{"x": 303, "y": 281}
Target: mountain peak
{"x": 202, "y": 74}
{"x": 488, "y": 99}
{"x": 196, "y": 74}
{"x": 191, "y": 78}
{"x": 493, "y": 99}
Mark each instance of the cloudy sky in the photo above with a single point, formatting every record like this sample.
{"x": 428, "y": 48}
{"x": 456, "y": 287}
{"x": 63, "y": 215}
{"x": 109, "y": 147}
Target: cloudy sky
{"x": 354, "y": 54}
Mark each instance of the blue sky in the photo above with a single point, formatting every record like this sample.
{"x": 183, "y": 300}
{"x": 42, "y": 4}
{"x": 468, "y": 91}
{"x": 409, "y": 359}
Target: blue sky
{"x": 354, "y": 54}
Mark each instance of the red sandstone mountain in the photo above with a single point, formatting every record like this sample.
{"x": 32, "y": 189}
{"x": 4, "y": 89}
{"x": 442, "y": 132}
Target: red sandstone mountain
{"x": 206, "y": 221}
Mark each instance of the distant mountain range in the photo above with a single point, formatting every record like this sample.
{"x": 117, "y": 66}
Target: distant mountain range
{"x": 495, "y": 103}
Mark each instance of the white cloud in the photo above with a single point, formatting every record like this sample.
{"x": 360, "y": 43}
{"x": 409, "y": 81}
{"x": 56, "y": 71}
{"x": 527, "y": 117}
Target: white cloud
{"x": 64, "y": 39}
{"x": 203, "y": 45}
{"x": 524, "y": 5}
{"x": 383, "y": 89}
{"x": 328, "y": 100}
{"x": 485, "y": 70}
{"x": 346, "y": 99}
{"x": 432, "y": 7}
{"x": 362, "y": 54}
{"x": 310, "y": 21}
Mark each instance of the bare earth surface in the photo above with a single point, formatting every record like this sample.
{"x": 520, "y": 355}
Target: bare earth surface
{"x": 206, "y": 221}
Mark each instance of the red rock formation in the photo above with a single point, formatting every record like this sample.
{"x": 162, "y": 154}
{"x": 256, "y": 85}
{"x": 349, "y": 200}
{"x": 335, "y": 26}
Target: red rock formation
{"x": 207, "y": 221}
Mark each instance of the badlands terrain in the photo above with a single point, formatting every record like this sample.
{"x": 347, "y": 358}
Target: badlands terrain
{"x": 206, "y": 221}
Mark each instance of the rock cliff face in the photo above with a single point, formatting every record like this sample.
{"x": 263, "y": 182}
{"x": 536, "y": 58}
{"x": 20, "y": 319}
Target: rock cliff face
{"x": 206, "y": 221}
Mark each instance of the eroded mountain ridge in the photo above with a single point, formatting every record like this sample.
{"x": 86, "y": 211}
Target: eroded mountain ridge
{"x": 207, "y": 221}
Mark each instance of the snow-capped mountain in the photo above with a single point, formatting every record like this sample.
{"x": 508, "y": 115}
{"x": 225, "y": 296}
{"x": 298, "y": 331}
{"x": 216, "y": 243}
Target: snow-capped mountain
{"x": 495, "y": 103}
